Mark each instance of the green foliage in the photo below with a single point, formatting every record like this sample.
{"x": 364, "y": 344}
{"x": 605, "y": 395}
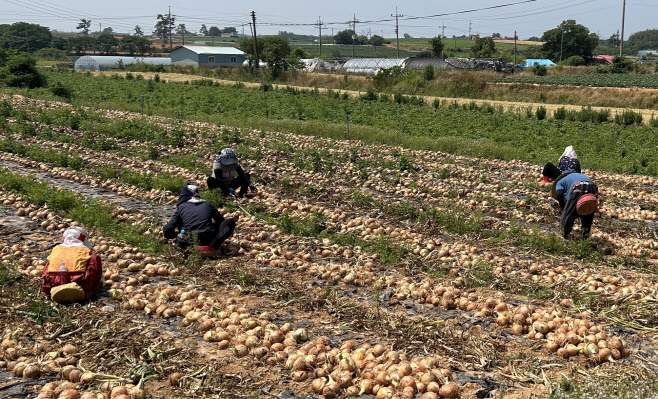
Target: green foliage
{"x": 569, "y": 39}
{"x": 621, "y": 65}
{"x": 574, "y": 60}
{"x": 25, "y": 37}
{"x": 590, "y": 79}
{"x": 540, "y": 113}
{"x": 484, "y": 47}
{"x": 20, "y": 71}
{"x": 49, "y": 53}
{"x": 628, "y": 117}
{"x": 376, "y": 40}
{"x": 642, "y": 40}
{"x": 428, "y": 72}
{"x": 59, "y": 90}
{"x": 8, "y": 273}
{"x": 345, "y": 37}
{"x": 437, "y": 46}
{"x": 539, "y": 70}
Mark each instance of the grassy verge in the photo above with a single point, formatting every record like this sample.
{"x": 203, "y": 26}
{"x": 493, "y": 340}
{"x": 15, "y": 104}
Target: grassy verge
{"x": 90, "y": 213}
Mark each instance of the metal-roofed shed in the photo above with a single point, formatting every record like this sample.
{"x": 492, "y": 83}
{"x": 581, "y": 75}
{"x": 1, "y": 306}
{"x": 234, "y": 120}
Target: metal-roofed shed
{"x": 532, "y": 61}
{"x": 105, "y": 62}
{"x": 208, "y": 56}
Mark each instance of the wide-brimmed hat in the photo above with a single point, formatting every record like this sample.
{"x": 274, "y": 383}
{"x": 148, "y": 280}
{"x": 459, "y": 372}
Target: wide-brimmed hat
{"x": 587, "y": 204}
{"x": 227, "y": 157}
{"x": 75, "y": 237}
{"x": 65, "y": 293}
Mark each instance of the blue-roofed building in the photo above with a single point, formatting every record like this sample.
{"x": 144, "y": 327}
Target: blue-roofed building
{"x": 210, "y": 57}
{"x": 532, "y": 61}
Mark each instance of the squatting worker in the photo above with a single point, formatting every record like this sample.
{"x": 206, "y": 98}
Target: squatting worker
{"x": 578, "y": 198}
{"x": 73, "y": 271}
{"x": 197, "y": 217}
{"x": 568, "y": 161}
{"x": 227, "y": 174}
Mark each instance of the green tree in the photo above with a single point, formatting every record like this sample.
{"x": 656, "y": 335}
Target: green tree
{"x": 484, "y": 47}
{"x": 275, "y": 51}
{"x": 108, "y": 30}
{"x": 214, "y": 31}
{"x": 437, "y": 46}
{"x": 84, "y": 26}
{"x": 25, "y": 37}
{"x": 344, "y": 36}
{"x": 230, "y": 30}
{"x": 135, "y": 45}
{"x": 138, "y": 31}
{"x": 643, "y": 40}
{"x": 577, "y": 41}
{"x": 49, "y": 53}
{"x": 204, "y": 30}
{"x": 299, "y": 53}
{"x": 376, "y": 40}
{"x": 164, "y": 27}
{"x": 20, "y": 70}
{"x": 107, "y": 43}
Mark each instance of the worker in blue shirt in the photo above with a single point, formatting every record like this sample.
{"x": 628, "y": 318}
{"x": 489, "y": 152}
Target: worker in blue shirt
{"x": 578, "y": 198}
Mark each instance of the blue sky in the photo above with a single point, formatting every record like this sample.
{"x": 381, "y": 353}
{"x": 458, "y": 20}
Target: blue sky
{"x": 531, "y": 18}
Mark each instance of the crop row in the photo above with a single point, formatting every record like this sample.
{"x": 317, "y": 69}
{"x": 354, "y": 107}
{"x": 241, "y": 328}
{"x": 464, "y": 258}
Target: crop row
{"x": 590, "y": 79}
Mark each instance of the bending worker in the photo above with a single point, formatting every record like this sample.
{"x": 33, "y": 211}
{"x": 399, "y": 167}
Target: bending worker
{"x": 195, "y": 217}
{"x": 227, "y": 174}
{"x": 578, "y": 198}
{"x": 73, "y": 271}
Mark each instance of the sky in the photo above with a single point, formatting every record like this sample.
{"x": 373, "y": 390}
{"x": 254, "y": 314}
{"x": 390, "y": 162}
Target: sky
{"x": 418, "y": 18}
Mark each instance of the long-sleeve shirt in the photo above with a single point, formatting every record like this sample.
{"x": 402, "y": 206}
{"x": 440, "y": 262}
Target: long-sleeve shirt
{"x": 201, "y": 217}
{"x": 565, "y": 185}
{"x": 224, "y": 174}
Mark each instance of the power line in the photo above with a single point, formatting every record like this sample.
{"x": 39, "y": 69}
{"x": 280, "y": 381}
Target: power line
{"x": 397, "y": 30}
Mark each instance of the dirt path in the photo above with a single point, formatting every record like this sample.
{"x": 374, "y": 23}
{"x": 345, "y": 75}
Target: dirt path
{"x": 509, "y": 106}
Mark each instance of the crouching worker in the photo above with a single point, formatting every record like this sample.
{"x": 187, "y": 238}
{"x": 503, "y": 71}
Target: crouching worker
{"x": 578, "y": 198}
{"x": 568, "y": 161}
{"x": 197, "y": 218}
{"x": 73, "y": 272}
{"x": 227, "y": 175}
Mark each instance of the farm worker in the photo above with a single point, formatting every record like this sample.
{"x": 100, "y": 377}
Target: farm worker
{"x": 227, "y": 174}
{"x": 578, "y": 198}
{"x": 73, "y": 271}
{"x": 568, "y": 161}
{"x": 197, "y": 218}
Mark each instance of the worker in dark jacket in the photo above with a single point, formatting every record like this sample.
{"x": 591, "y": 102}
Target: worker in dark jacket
{"x": 568, "y": 161}
{"x": 578, "y": 198}
{"x": 197, "y": 217}
{"x": 227, "y": 174}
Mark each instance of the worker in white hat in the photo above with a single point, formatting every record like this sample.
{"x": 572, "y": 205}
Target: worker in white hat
{"x": 73, "y": 271}
{"x": 228, "y": 175}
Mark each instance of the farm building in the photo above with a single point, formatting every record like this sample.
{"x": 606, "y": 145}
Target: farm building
{"x": 532, "y": 61}
{"x": 103, "y": 62}
{"x": 370, "y": 66}
{"x": 642, "y": 53}
{"x": 210, "y": 57}
{"x": 604, "y": 59}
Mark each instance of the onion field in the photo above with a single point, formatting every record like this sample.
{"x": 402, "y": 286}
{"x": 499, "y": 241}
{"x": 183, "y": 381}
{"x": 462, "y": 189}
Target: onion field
{"x": 359, "y": 269}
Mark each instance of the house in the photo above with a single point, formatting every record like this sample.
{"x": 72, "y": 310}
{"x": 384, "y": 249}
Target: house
{"x": 210, "y": 57}
{"x": 532, "y": 61}
{"x": 604, "y": 59}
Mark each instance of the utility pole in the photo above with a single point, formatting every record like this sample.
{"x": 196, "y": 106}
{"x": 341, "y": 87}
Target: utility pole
{"x": 443, "y": 30}
{"x": 100, "y": 28}
{"x": 319, "y": 24}
{"x": 183, "y": 34}
{"x": 397, "y": 29}
{"x": 27, "y": 42}
{"x": 514, "y": 47}
{"x": 561, "y": 44}
{"x": 623, "y": 19}
{"x": 171, "y": 43}
{"x": 253, "y": 18}
{"x": 469, "y": 30}
{"x": 353, "y": 35}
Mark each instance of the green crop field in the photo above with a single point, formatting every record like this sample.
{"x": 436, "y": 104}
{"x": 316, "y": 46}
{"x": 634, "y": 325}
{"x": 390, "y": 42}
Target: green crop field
{"x": 451, "y": 43}
{"x": 473, "y": 131}
{"x": 597, "y": 80}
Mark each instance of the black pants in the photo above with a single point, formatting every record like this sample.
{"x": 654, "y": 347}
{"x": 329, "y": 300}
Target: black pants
{"x": 570, "y": 214}
{"x": 210, "y": 239}
{"x": 551, "y": 171}
{"x": 241, "y": 182}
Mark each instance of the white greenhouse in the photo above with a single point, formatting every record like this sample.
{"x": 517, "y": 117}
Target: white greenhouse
{"x": 370, "y": 66}
{"x": 104, "y": 62}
